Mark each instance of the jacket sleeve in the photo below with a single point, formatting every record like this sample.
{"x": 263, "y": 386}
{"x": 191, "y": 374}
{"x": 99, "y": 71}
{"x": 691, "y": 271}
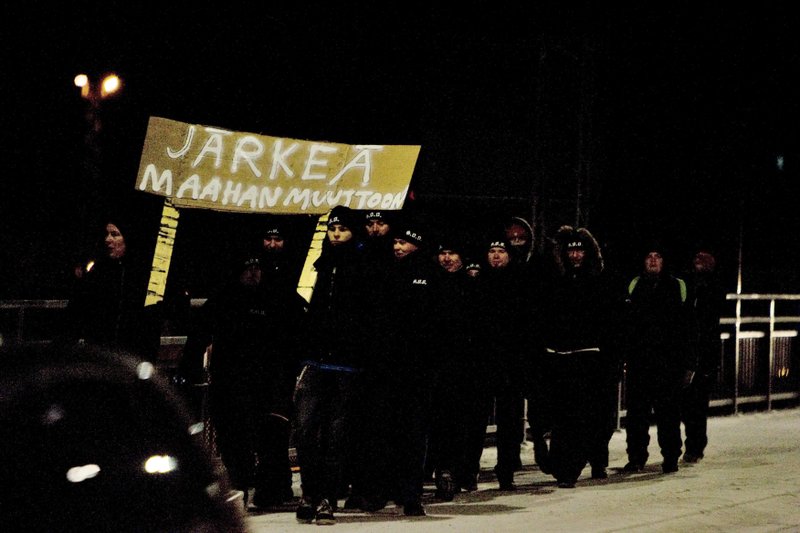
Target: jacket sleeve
{"x": 191, "y": 366}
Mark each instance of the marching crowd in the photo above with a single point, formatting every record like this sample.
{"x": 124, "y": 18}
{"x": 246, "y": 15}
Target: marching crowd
{"x": 412, "y": 338}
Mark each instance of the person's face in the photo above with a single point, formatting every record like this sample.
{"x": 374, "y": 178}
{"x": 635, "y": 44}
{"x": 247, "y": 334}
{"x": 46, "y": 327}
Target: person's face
{"x": 653, "y": 263}
{"x": 576, "y": 256}
{"x": 339, "y": 234}
{"x": 250, "y": 276}
{"x": 273, "y": 243}
{"x": 517, "y": 236}
{"x": 704, "y": 262}
{"x": 450, "y": 260}
{"x": 377, "y": 228}
{"x": 403, "y": 248}
{"x": 115, "y": 242}
{"x": 498, "y": 257}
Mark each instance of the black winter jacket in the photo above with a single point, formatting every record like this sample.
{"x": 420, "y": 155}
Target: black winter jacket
{"x": 659, "y": 339}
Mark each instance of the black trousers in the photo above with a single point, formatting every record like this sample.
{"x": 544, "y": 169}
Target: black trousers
{"x": 694, "y": 413}
{"x": 649, "y": 398}
{"x": 322, "y": 406}
{"x": 253, "y": 441}
{"x": 394, "y": 437}
{"x": 583, "y": 411}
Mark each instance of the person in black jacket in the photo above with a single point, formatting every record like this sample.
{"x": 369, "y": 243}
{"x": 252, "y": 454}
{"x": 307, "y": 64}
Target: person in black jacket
{"x": 520, "y": 237}
{"x": 503, "y": 334}
{"x": 399, "y": 370}
{"x": 579, "y": 314}
{"x": 376, "y": 256}
{"x": 659, "y": 361}
{"x": 458, "y": 403}
{"x": 107, "y": 306}
{"x": 707, "y": 298}
{"x": 249, "y": 335}
{"x": 276, "y": 266}
{"x": 327, "y": 384}
{"x": 378, "y": 241}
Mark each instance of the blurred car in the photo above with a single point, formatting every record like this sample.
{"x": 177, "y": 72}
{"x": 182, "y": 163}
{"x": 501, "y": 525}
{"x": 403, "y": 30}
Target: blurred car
{"x": 92, "y": 440}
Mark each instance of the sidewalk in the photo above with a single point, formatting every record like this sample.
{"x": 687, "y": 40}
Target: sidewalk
{"x": 749, "y": 481}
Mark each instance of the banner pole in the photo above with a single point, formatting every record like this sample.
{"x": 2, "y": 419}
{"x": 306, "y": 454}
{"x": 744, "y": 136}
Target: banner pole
{"x": 308, "y": 276}
{"x": 162, "y": 256}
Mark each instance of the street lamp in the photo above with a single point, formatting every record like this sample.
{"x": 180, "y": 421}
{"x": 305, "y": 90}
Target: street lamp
{"x": 109, "y": 86}
{"x": 94, "y": 94}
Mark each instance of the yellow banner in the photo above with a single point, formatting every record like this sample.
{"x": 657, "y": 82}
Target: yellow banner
{"x": 212, "y": 168}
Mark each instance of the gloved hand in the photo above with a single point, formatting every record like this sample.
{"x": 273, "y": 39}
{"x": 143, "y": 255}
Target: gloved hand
{"x": 688, "y": 376}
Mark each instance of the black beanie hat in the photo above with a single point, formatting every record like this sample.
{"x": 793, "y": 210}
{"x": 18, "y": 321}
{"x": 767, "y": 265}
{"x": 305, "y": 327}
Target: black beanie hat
{"x": 574, "y": 242}
{"x": 655, "y": 245}
{"x": 249, "y": 262}
{"x": 453, "y": 244}
{"x": 273, "y": 227}
{"x": 411, "y": 233}
{"x": 342, "y": 215}
{"x": 242, "y": 262}
{"x": 499, "y": 242}
{"x": 473, "y": 265}
{"x": 377, "y": 214}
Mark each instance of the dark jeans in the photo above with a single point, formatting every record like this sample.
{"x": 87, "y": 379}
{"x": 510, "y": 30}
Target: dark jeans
{"x": 457, "y": 425}
{"x": 322, "y": 402}
{"x": 509, "y": 417}
{"x": 584, "y": 401}
{"x": 476, "y": 416}
{"x": 646, "y": 395}
{"x": 694, "y": 412}
{"x": 248, "y": 434}
{"x": 394, "y": 445}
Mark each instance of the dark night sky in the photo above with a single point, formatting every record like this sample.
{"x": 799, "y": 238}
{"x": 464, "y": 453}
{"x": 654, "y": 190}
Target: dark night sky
{"x": 671, "y": 117}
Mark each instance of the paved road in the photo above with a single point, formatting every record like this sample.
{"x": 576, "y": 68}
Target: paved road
{"x": 749, "y": 481}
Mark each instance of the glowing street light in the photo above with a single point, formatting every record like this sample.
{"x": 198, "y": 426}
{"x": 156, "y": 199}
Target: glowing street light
{"x": 109, "y": 86}
{"x": 94, "y": 94}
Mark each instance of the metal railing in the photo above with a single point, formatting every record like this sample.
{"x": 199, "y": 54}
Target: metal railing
{"x": 780, "y": 381}
{"x": 758, "y": 361}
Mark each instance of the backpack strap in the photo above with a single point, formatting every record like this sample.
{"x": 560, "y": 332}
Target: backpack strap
{"x": 632, "y": 284}
{"x": 682, "y": 285}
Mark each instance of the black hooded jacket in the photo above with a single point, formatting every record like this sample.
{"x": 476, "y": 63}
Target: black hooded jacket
{"x": 107, "y": 305}
{"x": 505, "y": 327}
{"x": 255, "y": 333}
{"x": 403, "y": 303}
{"x": 707, "y": 299}
{"x": 107, "y": 308}
{"x": 581, "y": 305}
{"x": 336, "y": 312}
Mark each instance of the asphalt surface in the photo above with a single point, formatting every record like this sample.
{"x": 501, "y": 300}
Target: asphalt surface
{"x": 748, "y": 481}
